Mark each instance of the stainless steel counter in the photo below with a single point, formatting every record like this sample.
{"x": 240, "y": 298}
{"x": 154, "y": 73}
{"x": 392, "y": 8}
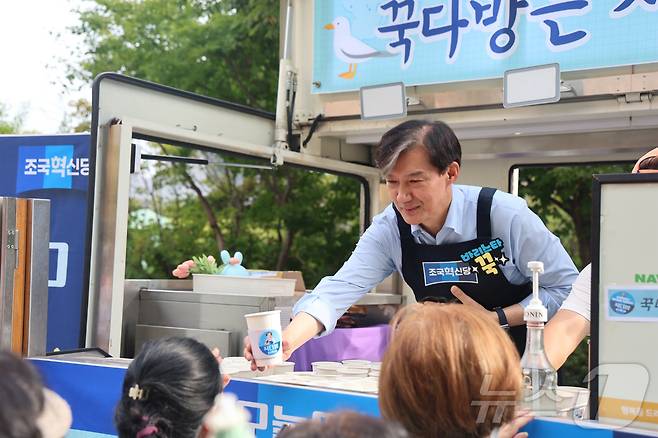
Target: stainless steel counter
{"x": 157, "y": 308}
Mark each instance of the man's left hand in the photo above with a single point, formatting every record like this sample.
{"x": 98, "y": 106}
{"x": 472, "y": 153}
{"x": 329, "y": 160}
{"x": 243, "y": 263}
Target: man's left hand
{"x": 468, "y": 301}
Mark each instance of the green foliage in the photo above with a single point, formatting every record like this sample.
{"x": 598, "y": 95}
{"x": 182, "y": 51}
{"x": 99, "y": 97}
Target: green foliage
{"x": 282, "y": 219}
{"x": 79, "y": 117}
{"x": 204, "y": 265}
{"x": 8, "y": 126}
{"x": 223, "y": 49}
{"x": 562, "y": 197}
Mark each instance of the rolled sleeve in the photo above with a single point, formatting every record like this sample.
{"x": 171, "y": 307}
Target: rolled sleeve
{"x": 318, "y": 309}
{"x": 369, "y": 264}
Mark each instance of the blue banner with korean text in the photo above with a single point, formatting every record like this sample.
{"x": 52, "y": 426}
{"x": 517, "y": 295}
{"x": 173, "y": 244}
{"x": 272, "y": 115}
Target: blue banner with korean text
{"x": 94, "y": 389}
{"x": 56, "y": 167}
{"x": 368, "y": 42}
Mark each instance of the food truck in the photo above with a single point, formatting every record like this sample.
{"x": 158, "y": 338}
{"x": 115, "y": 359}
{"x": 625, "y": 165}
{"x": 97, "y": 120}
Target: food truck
{"x": 521, "y": 83}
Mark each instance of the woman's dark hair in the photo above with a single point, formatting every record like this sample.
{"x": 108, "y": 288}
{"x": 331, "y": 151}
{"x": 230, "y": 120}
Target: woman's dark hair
{"x": 345, "y": 425}
{"x": 649, "y": 163}
{"x": 437, "y": 137}
{"x": 179, "y": 379}
{"x": 21, "y": 397}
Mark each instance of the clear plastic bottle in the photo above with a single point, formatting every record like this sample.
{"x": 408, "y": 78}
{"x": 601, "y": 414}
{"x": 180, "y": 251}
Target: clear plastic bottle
{"x": 539, "y": 376}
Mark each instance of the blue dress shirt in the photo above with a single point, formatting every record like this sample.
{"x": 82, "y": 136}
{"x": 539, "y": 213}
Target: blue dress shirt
{"x": 378, "y": 254}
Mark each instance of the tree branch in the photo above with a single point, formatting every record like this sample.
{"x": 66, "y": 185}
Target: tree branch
{"x": 559, "y": 203}
{"x": 212, "y": 219}
{"x": 210, "y": 215}
{"x": 284, "y": 251}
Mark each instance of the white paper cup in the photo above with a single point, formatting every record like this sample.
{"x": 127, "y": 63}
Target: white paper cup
{"x": 264, "y": 330}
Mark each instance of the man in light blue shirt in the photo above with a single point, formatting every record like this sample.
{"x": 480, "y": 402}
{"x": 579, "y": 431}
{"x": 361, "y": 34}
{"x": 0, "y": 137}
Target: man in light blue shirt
{"x": 446, "y": 240}
{"x": 378, "y": 254}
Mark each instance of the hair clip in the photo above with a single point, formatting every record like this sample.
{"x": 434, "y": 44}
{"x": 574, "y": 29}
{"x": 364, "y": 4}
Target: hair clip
{"x": 136, "y": 393}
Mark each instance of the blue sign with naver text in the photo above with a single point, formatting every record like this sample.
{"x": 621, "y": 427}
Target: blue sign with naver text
{"x": 56, "y": 167}
{"x": 368, "y": 42}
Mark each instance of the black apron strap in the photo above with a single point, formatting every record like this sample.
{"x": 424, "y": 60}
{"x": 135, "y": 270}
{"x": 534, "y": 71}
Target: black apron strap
{"x": 484, "y": 212}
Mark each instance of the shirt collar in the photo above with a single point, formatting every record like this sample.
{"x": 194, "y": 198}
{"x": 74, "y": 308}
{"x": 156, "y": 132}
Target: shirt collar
{"x": 454, "y": 220}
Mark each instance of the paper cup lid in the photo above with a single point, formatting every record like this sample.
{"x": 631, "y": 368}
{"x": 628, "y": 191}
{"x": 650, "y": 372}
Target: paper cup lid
{"x": 258, "y": 314}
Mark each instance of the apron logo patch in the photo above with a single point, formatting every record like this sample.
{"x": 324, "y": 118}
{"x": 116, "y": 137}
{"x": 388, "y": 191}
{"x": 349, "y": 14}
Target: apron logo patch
{"x": 486, "y": 257}
{"x": 449, "y": 272}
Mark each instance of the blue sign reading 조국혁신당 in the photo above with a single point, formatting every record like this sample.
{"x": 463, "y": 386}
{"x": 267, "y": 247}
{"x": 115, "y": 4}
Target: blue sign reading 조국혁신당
{"x": 449, "y": 272}
{"x": 368, "y": 42}
{"x": 56, "y": 167}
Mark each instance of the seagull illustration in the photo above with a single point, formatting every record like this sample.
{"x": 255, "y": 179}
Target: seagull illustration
{"x": 349, "y": 49}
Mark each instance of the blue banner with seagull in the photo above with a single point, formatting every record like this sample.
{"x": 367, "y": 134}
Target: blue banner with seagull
{"x": 368, "y": 42}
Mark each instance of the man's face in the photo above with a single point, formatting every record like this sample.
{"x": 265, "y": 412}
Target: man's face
{"x": 419, "y": 191}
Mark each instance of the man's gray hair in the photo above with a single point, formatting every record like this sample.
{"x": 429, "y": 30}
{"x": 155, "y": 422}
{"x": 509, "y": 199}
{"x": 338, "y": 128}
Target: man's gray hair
{"x": 440, "y": 141}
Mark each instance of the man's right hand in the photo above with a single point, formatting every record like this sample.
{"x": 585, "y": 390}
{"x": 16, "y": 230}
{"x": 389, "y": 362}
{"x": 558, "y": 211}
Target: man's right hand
{"x": 302, "y": 328}
{"x": 287, "y": 351}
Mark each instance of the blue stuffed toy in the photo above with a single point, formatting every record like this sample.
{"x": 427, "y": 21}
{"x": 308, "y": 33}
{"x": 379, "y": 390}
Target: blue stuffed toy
{"x": 232, "y": 265}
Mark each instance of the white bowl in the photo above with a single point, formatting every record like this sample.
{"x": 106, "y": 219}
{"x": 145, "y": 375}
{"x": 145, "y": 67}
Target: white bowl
{"x": 326, "y": 368}
{"x": 326, "y": 364}
{"x": 352, "y": 373}
{"x": 356, "y": 363}
{"x": 284, "y": 367}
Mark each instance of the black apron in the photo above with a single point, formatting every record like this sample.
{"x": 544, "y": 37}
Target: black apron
{"x": 473, "y": 266}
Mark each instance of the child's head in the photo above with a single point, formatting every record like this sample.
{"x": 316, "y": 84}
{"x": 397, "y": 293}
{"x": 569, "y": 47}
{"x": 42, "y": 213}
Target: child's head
{"x": 27, "y": 409}
{"x": 345, "y": 425}
{"x": 168, "y": 388}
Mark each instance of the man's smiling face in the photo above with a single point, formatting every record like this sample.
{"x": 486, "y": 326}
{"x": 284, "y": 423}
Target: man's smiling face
{"x": 420, "y": 192}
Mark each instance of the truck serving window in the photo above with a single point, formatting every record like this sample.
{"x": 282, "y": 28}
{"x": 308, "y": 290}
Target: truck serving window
{"x": 280, "y": 218}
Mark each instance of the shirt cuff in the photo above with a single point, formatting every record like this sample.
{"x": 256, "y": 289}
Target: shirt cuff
{"x": 318, "y": 309}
